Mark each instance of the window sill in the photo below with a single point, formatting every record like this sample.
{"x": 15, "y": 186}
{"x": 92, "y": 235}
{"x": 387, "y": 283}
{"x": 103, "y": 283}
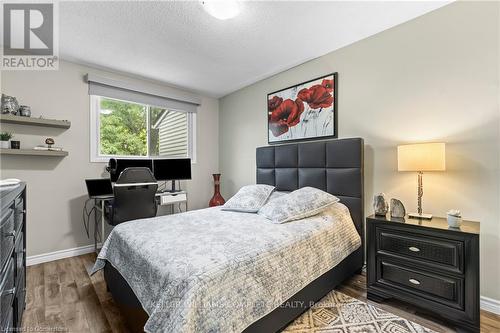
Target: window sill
{"x": 104, "y": 159}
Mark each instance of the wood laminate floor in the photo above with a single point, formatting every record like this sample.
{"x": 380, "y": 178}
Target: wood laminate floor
{"x": 62, "y": 297}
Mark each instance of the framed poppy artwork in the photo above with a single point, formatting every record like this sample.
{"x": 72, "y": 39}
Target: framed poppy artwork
{"x": 305, "y": 111}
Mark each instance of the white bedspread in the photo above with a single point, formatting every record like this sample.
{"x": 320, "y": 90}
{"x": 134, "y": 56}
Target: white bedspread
{"x": 218, "y": 271}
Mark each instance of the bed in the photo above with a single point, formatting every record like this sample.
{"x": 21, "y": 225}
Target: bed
{"x": 218, "y": 271}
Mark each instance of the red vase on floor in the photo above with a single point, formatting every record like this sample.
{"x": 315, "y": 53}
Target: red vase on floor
{"x": 217, "y": 199}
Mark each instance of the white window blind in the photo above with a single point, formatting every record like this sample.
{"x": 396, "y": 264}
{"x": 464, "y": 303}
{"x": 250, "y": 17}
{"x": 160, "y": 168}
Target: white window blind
{"x": 139, "y": 93}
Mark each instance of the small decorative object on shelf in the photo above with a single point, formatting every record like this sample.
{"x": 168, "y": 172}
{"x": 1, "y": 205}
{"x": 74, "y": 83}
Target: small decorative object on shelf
{"x": 454, "y": 218}
{"x": 49, "y": 147}
{"x": 217, "y": 199}
{"x": 14, "y": 144}
{"x": 380, "y": 205}
{"x": 9, "y": 104}
{"x": 25, "y": 111}
{"x": 50, "y": 142}
{"x": 397, "y": 208}
{"x": 4, "y": 139}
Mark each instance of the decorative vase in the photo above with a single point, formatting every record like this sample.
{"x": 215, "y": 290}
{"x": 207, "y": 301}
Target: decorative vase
{"x": 217, "y": 199}
{"x": 24, "y": 111}
{"x": 9, "y": 104}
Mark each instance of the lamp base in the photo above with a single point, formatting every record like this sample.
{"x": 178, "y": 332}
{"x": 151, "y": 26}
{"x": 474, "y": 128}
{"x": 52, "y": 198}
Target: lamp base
{"x": 420, "y": 216}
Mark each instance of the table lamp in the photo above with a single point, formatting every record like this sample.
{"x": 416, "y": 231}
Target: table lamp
{"x": 421, "y": 157}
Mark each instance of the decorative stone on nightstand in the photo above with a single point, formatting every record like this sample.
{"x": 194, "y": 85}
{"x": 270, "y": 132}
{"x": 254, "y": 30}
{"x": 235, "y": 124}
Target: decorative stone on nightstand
{"x": 397, "y": 208}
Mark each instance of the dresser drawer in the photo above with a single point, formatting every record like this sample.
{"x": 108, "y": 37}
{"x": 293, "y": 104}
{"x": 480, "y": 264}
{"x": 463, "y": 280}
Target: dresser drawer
{"x": 18, "y": 213}
{"x": 7, "y": 235}
{"x": 19, "y": 302}
{"x": 431, "y": 249}
{"x": 19, "y": 255}
{"x": 8, "y": 324}
{"x": 7, "y": 290}
{"x": 438, "y": 288}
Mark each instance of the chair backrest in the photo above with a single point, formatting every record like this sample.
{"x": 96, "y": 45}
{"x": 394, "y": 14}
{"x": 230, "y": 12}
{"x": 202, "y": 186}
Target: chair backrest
{"x": 134, "y": 193}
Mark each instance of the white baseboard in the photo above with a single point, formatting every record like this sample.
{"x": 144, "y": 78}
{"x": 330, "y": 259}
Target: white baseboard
{"x": 490, "y": 305}
{"x": 51, "y": 256}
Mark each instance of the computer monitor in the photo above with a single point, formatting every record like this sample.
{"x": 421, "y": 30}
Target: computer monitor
{"x": 99, "y": 187}
{"x": 172, "y": 169}
{"x": 118, "y": 165}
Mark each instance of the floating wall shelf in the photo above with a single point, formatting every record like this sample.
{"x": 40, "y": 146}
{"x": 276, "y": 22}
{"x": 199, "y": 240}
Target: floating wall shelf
{"x": 42, "y": 122}
{"x": 33, "y": 152}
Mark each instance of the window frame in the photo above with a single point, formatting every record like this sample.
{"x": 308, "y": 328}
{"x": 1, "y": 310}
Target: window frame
{"x": 95, "y": 137}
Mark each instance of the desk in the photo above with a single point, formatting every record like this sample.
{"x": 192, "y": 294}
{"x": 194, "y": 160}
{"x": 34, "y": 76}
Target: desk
{"x": 165, "y": 199}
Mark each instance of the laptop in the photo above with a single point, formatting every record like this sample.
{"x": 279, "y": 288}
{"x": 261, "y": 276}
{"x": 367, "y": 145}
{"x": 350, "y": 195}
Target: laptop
{"x": 99, "y": 188}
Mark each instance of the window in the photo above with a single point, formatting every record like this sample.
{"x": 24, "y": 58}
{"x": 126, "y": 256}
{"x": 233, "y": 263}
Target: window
{"x": 127, "y": 129}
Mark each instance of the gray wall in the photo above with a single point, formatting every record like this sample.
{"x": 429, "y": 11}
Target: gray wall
{"x": 434, "y": 78}
{"x": 56, "y": 188}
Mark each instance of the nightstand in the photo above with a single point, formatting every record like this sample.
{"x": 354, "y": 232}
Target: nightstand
{"x": 427, "y": 264}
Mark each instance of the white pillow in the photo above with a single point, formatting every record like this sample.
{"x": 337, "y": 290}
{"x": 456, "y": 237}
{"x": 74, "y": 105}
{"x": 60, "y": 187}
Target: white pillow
{"x": 275, "y": 195}
{"x": 249, "y": 199}
{"x": 299, "y": 204}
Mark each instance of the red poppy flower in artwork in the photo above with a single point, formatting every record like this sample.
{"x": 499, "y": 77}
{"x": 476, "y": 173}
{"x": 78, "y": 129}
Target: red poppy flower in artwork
{"x": 278, "y": 127}
{"x": 328, "y": 84}
{"x": 274, "y": 102}
{"x": 317, "y": 97}
{"x": 286, "y": 115}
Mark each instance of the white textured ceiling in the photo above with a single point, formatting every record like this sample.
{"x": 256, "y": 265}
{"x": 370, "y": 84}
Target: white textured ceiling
{"x": 178, "y": 43}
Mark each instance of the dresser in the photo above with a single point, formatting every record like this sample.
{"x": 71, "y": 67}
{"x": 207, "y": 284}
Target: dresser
{"x": 427, "y": 264}
{"x": 12, "y": 256}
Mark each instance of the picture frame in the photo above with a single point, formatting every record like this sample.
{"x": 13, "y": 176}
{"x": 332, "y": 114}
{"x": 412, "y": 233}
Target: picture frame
{"x": 305, "y": 111}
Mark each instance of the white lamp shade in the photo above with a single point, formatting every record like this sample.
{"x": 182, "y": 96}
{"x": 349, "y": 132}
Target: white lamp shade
{"x": 422, "y": 157}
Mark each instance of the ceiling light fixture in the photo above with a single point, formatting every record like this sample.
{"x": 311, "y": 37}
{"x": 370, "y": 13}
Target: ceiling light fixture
{"x": 222, "y": 10}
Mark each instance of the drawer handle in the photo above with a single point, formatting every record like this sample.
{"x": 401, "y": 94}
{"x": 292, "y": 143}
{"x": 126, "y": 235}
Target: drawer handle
{"x": 413, "y": 281}
{"x": 414, "y": 249}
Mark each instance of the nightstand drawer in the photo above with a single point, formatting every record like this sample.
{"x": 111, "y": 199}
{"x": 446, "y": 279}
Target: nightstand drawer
{"x": 432, "y": 249}
{"x": 433, "y": 286}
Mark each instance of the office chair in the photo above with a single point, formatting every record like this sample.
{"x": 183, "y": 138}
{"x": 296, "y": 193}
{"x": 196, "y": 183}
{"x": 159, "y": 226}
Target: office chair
{"x": 134, "y": 193}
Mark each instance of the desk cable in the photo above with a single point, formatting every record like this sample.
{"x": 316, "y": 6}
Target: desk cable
{"x": 162, "y": 186}
{"x": 86, "y": 219}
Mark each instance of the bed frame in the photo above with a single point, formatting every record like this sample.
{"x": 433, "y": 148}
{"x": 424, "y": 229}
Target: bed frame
{"x": 335, "y": 166}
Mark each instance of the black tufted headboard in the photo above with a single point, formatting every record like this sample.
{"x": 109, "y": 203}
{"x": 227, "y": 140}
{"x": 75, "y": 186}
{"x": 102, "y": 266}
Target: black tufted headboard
{"x": 335, "y": 166}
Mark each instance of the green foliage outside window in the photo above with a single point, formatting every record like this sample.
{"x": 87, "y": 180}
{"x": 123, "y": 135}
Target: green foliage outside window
{"x": 123, "y": 128}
